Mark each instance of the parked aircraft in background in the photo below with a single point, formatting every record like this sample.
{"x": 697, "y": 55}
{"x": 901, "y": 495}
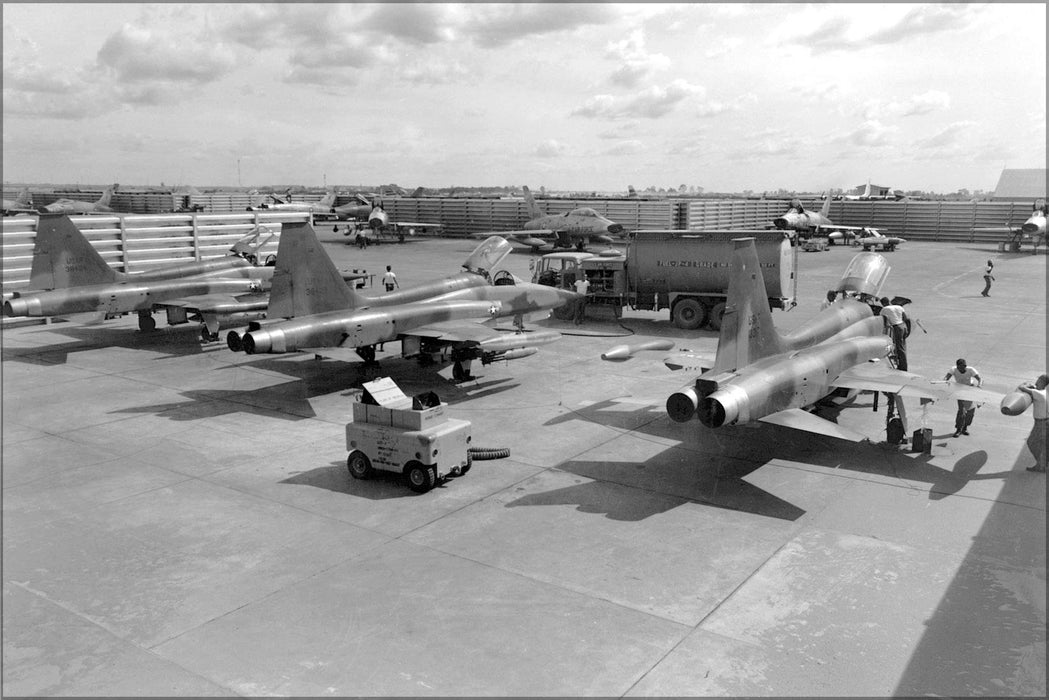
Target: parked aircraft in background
{"x": 323, "y": 207}
{"x": 22, "y": 204}
{"x": 760, "y": 374}
{"x": 573, "y": 228}
{"x": 323, "y": 315}
{"x": 866, "y": 196}
{"x": 70, "y": 279}
{"x": 872, "y": 239}
{"x": 1031, "y": 230}
{"x": 75, "y": 206}
{"x": 807, "y": 223}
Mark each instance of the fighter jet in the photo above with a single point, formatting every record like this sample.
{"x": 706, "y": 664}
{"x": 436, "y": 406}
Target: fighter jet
{"x": 75, "y": 206}
{"x": 1031, "y": 230}
{"x": 808, "y": 223}
{"x": 573, "y": 228}
{"x": 75, "y": 281}
{"x": 323, "y": 315}
{"x": 760, "y": 374}
{"x": 22, "y": 204}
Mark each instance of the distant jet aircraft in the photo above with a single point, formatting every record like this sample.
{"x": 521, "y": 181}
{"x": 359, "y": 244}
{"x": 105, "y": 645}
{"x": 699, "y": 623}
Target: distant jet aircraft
{"x": 323, "y": 207}
{"x": 75, "y": 206}
{"x": 73, "y": 280}
{"x": 1031, "y": 230}
{"x": 762, "y": 375}
{"x": 867, "y": 196}
{"x": 573, "y": 228}
{"x": 22, "y": 204}
{"x": 807, "y": 223}
{"x": 323, "y": 315}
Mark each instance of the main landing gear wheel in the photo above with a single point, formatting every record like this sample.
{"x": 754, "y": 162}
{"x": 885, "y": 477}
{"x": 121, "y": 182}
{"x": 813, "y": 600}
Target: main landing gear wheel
{"x": 460, "y": 373}
{"x": 207, "y": 336}
{"x": 359, "y": 465}
{"x": 420, "y": 479}
{"x": 146, "y": 323}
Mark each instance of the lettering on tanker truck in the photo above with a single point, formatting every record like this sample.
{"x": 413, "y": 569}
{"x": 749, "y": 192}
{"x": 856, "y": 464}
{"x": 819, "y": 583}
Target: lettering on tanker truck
{"x": 705, "y": 263}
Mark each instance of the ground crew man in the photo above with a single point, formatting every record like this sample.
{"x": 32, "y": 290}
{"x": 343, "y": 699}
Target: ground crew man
{"x": 895, "y": 316}
{"x": 1036, "y": 440}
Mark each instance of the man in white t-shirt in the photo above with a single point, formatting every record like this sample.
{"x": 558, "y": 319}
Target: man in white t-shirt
{"x": 389, "y": 279}
{"x": 1036, "y": 440}
{"x": 964, "y": 374}
{"x": 582, "y": 286}
{"x": 895, "y": 316}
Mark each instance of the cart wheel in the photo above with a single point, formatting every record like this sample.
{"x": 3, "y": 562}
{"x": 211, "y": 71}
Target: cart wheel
{"x": 420, "y": 479}
{"x": 359, "y": 465}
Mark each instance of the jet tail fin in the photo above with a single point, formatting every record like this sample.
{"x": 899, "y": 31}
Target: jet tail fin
{"x": 825, "y": 211}
{"x": 306, "y": 281}
{"x": 534, "y": 212}
{"x": 63, "y": 257}
{"x": 107, "y": 195}
{"x": 747, "y": 331}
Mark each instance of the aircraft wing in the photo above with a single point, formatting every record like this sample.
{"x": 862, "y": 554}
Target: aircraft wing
{"x": 873, "y": 377}
{"x": 997, "y": 229}
{"x": 837, "y": 227}
{"x": 415, "y": 224}
{"x": 216, "y": 303}
{"x": 689, "y": 361}
{"x": 798, "y": 419}
{"x": 470, "y": 333}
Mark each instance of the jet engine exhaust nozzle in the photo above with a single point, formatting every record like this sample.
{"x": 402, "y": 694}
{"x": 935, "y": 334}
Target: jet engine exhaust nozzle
{"x": 681, "y": 405}
{"x": 234, "y": 342}
{"x": 780, "y": 223}
{"x": 723, "y": 407}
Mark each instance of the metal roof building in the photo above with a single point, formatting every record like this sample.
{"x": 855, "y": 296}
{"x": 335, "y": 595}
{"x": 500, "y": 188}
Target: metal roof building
{"x": 1020, "y": 184}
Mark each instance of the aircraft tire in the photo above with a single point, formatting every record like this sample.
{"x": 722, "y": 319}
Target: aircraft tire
{"x": 358, "y": 464}
{"x": 689, "y": 314}
{"x": 146, "y": 323}
{"x": 716, "y": 312}
{"x": 207, "y": 336}
{"x": 420, "y": 479}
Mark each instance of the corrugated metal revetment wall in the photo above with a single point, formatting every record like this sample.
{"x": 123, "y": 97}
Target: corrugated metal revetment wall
{"x": 136, "y": 243}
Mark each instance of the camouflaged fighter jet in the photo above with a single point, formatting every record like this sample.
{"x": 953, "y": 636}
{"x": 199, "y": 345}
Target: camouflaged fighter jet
{"x": 77, "y": 206}
{"x": 323, "y": 315}
{"x": 573, "y": 228}
{"x": 760, "y": 374}
{"x": 76, "y": 282}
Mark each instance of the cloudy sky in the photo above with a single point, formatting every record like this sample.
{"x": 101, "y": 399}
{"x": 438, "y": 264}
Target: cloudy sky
{"x": 597, "y": 96}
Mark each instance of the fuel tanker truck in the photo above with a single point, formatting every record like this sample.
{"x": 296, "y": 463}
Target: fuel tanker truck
{"x": 684, "y": 271}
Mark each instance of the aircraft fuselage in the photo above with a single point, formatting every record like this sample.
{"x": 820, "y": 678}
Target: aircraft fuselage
{"x": 121, "y": 297}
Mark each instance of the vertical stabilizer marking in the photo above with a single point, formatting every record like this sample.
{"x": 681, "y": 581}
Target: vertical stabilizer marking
{"x": 63, "y": 257}
{"x": 306, "y": 281}
{"x": 747, "y": 330}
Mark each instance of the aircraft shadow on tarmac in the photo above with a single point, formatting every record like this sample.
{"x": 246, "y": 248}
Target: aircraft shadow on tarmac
{"x": 173, "y": 342}
{"x": 710, "y": 465}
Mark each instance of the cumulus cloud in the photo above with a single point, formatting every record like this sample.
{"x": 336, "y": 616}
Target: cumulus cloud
{"x": 495, "y": 25}
{"x": 839, "y": 33}
{"x": 949, "y": 138}
{"x": 551, "y": 148}
{"x": 138, "y": 54}
{"x": 624, "y": 148}
{"x": 635, "y": 62}
{"x": 917, "y": 105}
{"x": 651, "y": 103}
{"x": 872, "y": 134}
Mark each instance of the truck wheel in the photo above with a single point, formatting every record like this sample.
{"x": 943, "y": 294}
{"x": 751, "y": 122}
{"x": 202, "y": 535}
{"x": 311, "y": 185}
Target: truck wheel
{"x": 689, "y": 314}
{"x": 420, "y": 479}
{"x": 359, "y": 465}
{"x": 716, "y": 312}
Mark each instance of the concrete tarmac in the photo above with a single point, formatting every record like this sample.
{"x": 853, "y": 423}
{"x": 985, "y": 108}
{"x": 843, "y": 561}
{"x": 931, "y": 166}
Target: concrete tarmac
{"x": 178, "y": 519}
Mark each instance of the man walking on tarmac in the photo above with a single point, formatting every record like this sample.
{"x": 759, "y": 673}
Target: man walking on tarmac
{"x": 389, "y": 279}
{"x": 963, "y": 374}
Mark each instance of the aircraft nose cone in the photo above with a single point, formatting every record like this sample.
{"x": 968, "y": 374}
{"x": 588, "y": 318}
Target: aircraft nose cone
{"x": 1029, "y": 228}
{"x": 1014, "y": 403}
